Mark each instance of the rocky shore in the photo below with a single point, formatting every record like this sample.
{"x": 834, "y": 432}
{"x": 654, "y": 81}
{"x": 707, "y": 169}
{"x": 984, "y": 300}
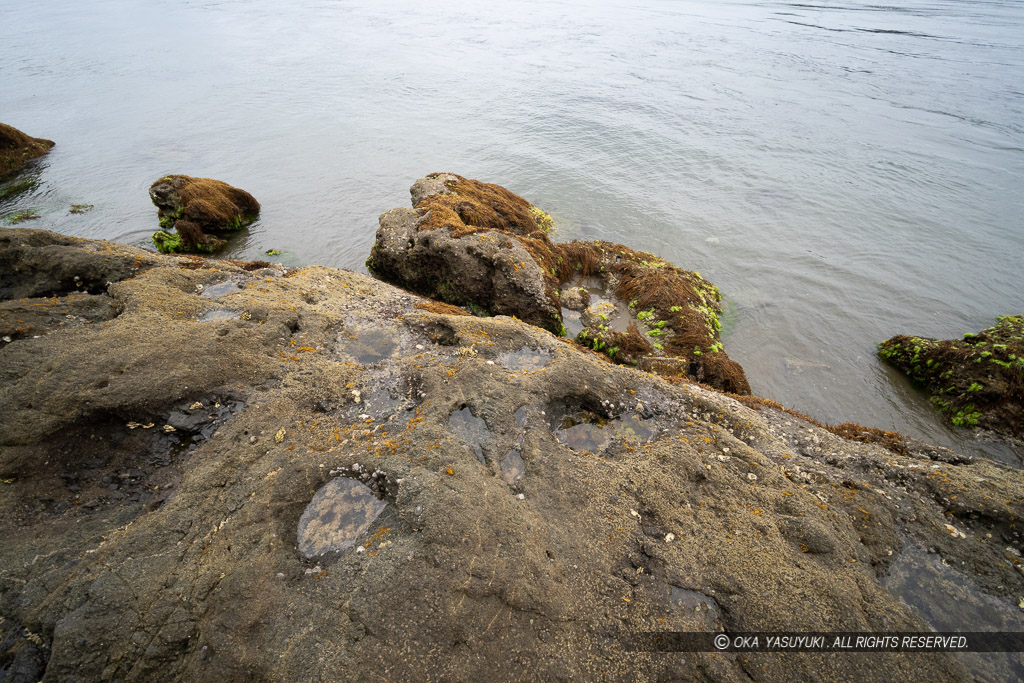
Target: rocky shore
{"x": 225, "y": 470}
{"x": 481, "y": 246}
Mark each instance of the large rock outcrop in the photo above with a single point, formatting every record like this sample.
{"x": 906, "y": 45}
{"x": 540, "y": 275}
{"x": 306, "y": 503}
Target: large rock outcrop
{"x": 479, "y": 245}
{"x": 193, "y": 207}
{"x": 184, "y": 496}
{"x": 18, "y": 149}
{"x": 977, "y": 381}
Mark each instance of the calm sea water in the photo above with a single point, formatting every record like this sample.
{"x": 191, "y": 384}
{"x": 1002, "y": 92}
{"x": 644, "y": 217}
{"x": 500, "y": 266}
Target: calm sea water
{"x": 844, "y": 171}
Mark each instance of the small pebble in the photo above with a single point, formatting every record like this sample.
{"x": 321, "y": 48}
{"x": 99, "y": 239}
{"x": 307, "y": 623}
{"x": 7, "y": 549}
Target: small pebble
{"x": 521, "y": 496}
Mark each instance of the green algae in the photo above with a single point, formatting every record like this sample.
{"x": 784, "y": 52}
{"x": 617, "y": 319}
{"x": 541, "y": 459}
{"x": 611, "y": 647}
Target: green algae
{"x": 975, "y": 381}
{"x": 543, "y": 219}
{"x": 13, "y": 189}
{"x": 22, "y": 216}
{"x": 172, "y": 243}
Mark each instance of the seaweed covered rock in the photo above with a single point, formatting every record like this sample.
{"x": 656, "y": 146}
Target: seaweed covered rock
{"x": 469, "y": 243}
{"x": 647, "y": 313}
{"x": 481, "y": 246}
{"x": 193, "y": 207}
{"x": 17, "y": 149}
{"x": 484, "y": 499}
{"x": 977, "y": 381}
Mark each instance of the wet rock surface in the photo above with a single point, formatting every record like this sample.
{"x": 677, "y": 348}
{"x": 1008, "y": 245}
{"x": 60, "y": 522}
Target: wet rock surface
{"x": 35, "y": 264}
{"x": 339, "y": 514}
{"x": 17, "y": 149}
{"x": 977, "y": 381}
{"x": 194, "y": 207}
{"x": 480, "y": 246}
{"x": 155, "y": 472}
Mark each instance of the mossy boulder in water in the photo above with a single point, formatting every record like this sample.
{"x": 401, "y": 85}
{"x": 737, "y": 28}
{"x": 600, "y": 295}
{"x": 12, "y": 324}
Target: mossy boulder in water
{"x": 977, "y": 381}
{"x": 17, "y": 149}
{"x": 193, "y": 207}
{"x": 481, "y": 246}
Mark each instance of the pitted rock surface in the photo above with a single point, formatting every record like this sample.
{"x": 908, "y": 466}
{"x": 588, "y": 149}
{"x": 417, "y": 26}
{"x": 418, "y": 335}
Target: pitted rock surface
{"x": 131, "y": 553}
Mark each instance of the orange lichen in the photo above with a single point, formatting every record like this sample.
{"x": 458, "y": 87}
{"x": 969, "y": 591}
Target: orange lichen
{"x": 439, "y": 307}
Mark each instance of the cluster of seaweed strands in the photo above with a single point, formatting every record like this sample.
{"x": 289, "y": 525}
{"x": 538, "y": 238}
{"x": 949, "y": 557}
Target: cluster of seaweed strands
{"x": 686, "y": 301}
{"x": 17, "y": 149}
{"x": 892, "y": 441}
{"x": 977, "y": 381}
{"x": 471, "y": 206}
{"x": 215, "y": 205}
{"x": 194, "y": 239}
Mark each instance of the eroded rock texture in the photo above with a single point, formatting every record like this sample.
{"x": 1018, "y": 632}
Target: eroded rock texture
{"x": 545, "y": 508}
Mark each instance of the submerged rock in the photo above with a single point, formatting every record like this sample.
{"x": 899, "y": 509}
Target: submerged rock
{"x": 141, "y": 542}
{"x": 977, "y": 381}
{"x": 193, "y": 207}
{"x": 17, "y": 149}
{"x": 478, "y": 245}
{"x": 339, "y": 514}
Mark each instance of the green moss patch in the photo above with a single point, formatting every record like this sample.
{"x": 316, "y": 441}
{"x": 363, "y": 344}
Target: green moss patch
{"x": 977, "y": 381}
{"x": 178, "y": 243}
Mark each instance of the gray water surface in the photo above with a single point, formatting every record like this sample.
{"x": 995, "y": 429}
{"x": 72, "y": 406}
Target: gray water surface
{"x": 843, "y": 171}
